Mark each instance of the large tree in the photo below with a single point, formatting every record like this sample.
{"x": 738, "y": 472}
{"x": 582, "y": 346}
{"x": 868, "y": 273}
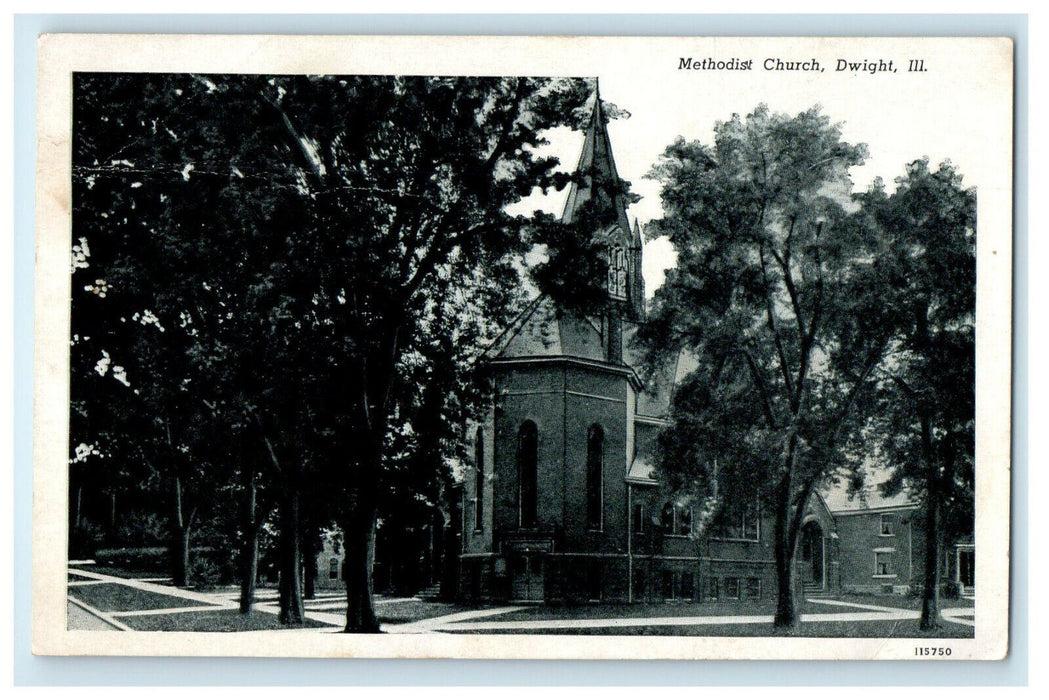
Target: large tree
{"x": 291, "y": 229}
{"x": 926, "y": 268}
{"x": 407, "y": 174}
{"x": 766, "y": 297}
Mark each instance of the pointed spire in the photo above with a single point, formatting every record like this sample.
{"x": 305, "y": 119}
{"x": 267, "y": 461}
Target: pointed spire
{"x": 597, "y": 163}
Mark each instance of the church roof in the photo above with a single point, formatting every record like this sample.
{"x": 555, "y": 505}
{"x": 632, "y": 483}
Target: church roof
{"x": 541, "y": 331}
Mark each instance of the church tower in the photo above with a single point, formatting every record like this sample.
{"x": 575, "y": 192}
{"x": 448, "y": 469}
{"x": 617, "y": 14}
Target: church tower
{"x": 546, "y": 503}
{"x": 602, "y": 193}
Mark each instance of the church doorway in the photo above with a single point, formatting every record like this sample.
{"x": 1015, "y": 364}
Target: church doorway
{"x": 526, "y": 577}
{"x": 811, "y": 569}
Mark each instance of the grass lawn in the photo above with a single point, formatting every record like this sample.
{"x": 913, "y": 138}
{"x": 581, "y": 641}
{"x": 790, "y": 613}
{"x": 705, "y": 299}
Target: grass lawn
{"x": 904, "y": 629}
{"x": 210, "y": 621}
{"x": 123, "y": 573}
{"x": 897, "y": 601}
{"x": 883, "y": 629}
{"x": 114, "y": 597}
{"x": 599, "y": 611}
{"x": 78, "y": 577}
{"x": 403, "y": 612}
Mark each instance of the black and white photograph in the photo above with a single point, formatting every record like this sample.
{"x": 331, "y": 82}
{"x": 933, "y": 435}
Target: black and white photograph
{"x": 588, "y": 347}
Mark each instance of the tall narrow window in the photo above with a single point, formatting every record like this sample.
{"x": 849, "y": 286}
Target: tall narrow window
{"x": 479, "y": 480}
{"x": 527, "y": 477}
{"x": 617, "y": 272}
{"x": 595, "y": 438}
{"x": 638, "y": 519}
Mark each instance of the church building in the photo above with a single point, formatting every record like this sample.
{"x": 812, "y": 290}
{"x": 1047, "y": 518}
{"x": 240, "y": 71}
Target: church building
{"x": 563, "y": 502}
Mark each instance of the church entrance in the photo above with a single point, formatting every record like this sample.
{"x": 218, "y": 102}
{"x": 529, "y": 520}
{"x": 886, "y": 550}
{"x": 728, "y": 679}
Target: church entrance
{"x": 811, "y": 569}
{"x": 526, "y": 577}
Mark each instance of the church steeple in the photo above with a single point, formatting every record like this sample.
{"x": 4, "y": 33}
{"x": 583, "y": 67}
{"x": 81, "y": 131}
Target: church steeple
{"x": 601, "y": 191}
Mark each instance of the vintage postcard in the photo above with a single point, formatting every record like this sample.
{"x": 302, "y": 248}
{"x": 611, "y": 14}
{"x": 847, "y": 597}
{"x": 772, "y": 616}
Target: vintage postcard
{"x": 518, "y": 347}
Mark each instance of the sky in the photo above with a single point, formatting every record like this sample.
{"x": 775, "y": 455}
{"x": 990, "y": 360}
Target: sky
{"x": 942, "y": 113}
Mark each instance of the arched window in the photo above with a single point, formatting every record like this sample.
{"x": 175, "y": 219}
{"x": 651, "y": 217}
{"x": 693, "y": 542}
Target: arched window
{"x": 479, "y": 480}
{"x": 617, "y": 273}
{"x": 595, "y": 438}
{"x": 527, "y": 476}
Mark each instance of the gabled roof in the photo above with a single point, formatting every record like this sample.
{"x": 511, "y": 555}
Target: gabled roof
{"x": 870, "y": 498}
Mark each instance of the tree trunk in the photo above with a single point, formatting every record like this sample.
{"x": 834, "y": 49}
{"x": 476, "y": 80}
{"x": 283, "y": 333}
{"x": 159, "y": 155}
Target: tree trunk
{"x": 249, "y": 572}
{"x": 359, "y": 534}
{"x": 249, "y": 546}
{"x": 786, "y": 603}
{"x": 180, "y": 532}
{"x": 786, "y": 606}
{"x": 291, "y": 607}
{"x": 309, "y": 566}
{"x": 180, "y": 555}
{"x": 930, "y": 618}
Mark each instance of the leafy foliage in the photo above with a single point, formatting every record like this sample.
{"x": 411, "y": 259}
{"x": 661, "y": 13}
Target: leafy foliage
{"x": 768, "y": 298}
{"x": 273, "y": 263}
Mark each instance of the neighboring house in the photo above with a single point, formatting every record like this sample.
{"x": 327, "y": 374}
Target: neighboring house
{"x": 563, "y": 502}
{"x": 881, "y": 544}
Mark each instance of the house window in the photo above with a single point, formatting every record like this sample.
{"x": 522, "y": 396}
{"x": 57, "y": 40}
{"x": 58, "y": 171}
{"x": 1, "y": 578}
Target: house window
{"x": 753, "y": 589}
{"x": 637, "y": 519}
{"x": 731, "y": 587}
{"x": 527, "y": 474}
{"x": 479, "y": 480}
{"x": 740, "y": 520}
{"x": 595, "y": 438}
{"x": 676, "y": 520}
{"x": 886, "y": 525}
{"x": 712, "y": 587}
{"x": 883, "y": 564}
{"x": 333, "y": 569}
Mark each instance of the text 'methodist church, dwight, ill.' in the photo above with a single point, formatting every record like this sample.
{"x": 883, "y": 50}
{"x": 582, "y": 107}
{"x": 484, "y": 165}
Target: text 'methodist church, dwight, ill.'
{"x": 563, "y": 501}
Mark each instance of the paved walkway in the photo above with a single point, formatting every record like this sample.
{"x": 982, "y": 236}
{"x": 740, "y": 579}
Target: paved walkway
{"x": 329, "y": 606}
{"x": 82, "y": 617}
{"x": 88, "y": 617}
